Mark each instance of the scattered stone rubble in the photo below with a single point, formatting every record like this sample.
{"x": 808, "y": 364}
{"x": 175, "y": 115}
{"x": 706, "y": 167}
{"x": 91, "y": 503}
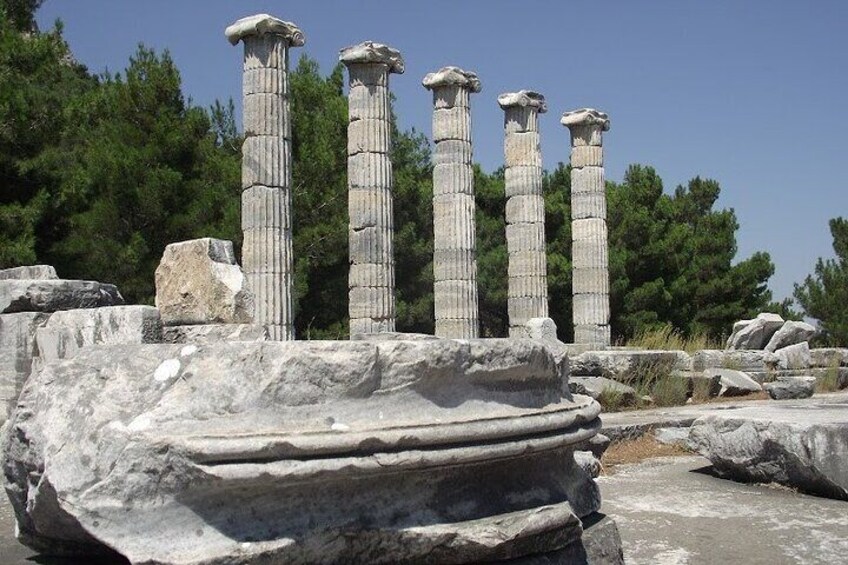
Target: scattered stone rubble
{"x": 28, "y": 297}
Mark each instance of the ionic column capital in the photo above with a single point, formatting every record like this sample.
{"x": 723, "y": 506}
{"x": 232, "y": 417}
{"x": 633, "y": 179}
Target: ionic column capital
{"x": 523, "y": 99}
{"x": 586, "y": 117}
{"x": 369, "y": 52}
{"x": 264, "y": 24}
{"x": 452, "y": 76}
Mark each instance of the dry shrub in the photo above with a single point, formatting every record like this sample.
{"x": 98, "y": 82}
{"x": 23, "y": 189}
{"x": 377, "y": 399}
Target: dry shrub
{"x": 667, "y": 338}
{"x": 636, "y": 450}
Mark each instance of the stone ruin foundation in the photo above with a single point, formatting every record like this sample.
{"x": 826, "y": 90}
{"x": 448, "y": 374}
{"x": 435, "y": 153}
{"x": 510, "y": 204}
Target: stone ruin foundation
{"x": 201, "y": 432}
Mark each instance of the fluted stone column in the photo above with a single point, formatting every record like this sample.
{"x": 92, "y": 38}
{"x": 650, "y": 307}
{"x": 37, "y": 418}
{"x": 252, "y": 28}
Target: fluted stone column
{"x": 590, "y": 271}
{"x": 454, "y": 227}
{"x": 369, "y": 174}
{"x": 525, "y": 209}
{"x": 266, "y": 168}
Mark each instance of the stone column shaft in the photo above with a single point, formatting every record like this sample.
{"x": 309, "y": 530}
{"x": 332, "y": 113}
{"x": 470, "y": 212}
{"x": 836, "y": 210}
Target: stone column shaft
{"x": 266, "y": 168}
{"x": 525, "y": 209}
{"x": 371, "y": 279}
{"x": 590, "y": 262}
{"x": 454, "y": 226}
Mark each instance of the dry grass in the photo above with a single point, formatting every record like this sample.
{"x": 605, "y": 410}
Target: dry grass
{"x": 636, "y": 450}
{"x": 761, "y": 395}
{"x": 667, "y": 338}
{"x": 830, "y": 381}
{"x": 612, "y": 400}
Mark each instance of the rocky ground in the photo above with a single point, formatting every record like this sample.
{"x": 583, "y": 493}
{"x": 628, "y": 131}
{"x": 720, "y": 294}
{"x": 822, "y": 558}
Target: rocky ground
{"x": 675, "y": 511}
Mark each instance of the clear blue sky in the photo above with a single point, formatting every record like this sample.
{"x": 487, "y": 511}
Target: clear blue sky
{"x": 752, "y": 94}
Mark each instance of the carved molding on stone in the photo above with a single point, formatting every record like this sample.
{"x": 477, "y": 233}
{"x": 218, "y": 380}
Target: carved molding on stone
{"x": 586, "y": 117}
{"x": 370, "y": 52}
{"x": 262, "y": 24}
{"x": 523, "y": 98}
{"x": 452, "y": 76}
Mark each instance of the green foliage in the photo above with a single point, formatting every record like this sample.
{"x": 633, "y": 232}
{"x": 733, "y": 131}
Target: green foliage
{"x": 671, "y": 259}
{"x": 824, "y": 294}
{"x": 38, "y": 81}
{"x": 139, "y": 168}
{"x": 20, "y": 13}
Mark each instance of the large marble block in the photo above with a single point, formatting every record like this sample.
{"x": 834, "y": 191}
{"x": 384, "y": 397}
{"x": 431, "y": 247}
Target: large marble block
{"x": 386, "y": 451}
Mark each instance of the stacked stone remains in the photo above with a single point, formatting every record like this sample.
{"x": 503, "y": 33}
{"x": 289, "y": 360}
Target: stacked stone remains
{"x": 590, "y": 270}
{"x": 28, "y": 297}
{"x": 266, "y": 168}
{"x": 525, "y": 209}
{"x": 369, "y": 175}
{"x": 454, "y": 226}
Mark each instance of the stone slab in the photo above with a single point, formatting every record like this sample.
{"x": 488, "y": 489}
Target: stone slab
{"x": 791, "y": 388}
{"x": 756, "y": 333}
{"x": 68, "y": 331}
{"x": 596, "y": 386}
{"x": 825, "y": 357}
{"x": 54, "y": 295}
{"x": 805, "y": 449}
{"x": 31, "y": 272}
{"x": 790, "y": 333}
{"x": 17, "y": 347}
{"x": 212, "y": 333}
{"x": 139, "y": 447}
{"x": 733, "y": 382}
{"x": 621, "y": 365}
{"x": 741, "y": 360}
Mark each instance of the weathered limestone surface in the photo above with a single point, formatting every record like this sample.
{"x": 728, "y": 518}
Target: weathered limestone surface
{"x": 734, "y": 383}
{"x": 791, "y": 357}
{"x": 65, "y": 333}
{"x": 772, "y": 444}
{"x": 825, "y": 357}
{"x": 17, "y": 347}
{"x": 790, "y": 333}
{"x": 31, "y": 272}
{"x": 596, "y": 386}
{"x": 371, "y": 279}
{"x": 20, "y": 295}
{"x": 403, "y": 451}
{"x": 590, "y": 270}
{"x": 791, "y": 388}
{"x": 756, "y": 333}
{"x": 211, "y": 333}
{"x": 543, "y": 329}
{"x": 266, "y": 168}
{"x": 624, "y": 364}
{"x": 199, "y": 282}
{"x": 743, "y": 360}
{"x": 527, "y": 295}
{"x": 454, "y": 226}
